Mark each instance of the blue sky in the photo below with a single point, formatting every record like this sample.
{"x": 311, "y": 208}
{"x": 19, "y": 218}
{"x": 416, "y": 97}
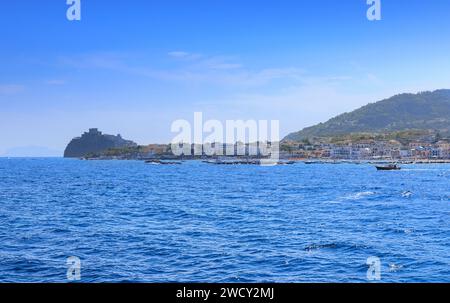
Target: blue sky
{"x": 133, "y": 67}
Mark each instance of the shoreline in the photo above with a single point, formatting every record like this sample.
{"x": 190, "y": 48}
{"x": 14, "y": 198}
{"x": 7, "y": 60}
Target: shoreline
{"x": 281, "y": 161}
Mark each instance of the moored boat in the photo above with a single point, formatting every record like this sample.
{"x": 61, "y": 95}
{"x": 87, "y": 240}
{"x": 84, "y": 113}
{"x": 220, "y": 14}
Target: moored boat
{"x": 389, "y": 167}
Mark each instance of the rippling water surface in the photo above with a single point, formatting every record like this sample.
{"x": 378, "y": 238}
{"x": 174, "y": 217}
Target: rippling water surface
{"x": 129, "y": 221}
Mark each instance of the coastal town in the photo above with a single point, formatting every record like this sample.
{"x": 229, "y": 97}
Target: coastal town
{"x": 429, "y": 148}
{"x": 392, "y": 150}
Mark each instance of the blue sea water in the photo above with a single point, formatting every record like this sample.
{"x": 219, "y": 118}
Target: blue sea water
{"x": 132, "y": 222}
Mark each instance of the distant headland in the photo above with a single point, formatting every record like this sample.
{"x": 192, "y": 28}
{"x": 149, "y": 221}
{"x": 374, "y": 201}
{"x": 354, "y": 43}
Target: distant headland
{"x": 95, "y": 142}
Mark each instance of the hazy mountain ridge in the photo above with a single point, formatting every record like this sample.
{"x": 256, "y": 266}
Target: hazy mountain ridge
{"x": 422, "y": 111}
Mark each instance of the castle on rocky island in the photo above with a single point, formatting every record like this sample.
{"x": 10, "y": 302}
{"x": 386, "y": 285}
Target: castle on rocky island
{"x": 95, "y": 141}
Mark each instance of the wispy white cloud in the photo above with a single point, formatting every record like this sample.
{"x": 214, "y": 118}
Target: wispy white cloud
{"x": 178, "y": 54}
{"x": 11, "y": 89}
{"x": 98, "y": 60}
{"x": 198, "y": 61}
{"x": 199, "y": 69}
{"x": 184, "y": 55}
{"x": 223, "y": 65}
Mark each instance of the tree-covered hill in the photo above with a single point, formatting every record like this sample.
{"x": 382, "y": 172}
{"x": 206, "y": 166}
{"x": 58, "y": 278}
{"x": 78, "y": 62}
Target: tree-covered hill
{"x": 422, "y": 111}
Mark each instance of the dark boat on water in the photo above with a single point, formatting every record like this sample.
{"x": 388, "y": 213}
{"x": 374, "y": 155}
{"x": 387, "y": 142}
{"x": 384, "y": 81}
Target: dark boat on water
{"x": 389, "y": 167}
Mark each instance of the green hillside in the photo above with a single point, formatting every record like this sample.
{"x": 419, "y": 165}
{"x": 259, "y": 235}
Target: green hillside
{"x": 422, "y": 111}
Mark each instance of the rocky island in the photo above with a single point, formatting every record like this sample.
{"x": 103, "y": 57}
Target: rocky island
{"x": 95, "y": 142}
